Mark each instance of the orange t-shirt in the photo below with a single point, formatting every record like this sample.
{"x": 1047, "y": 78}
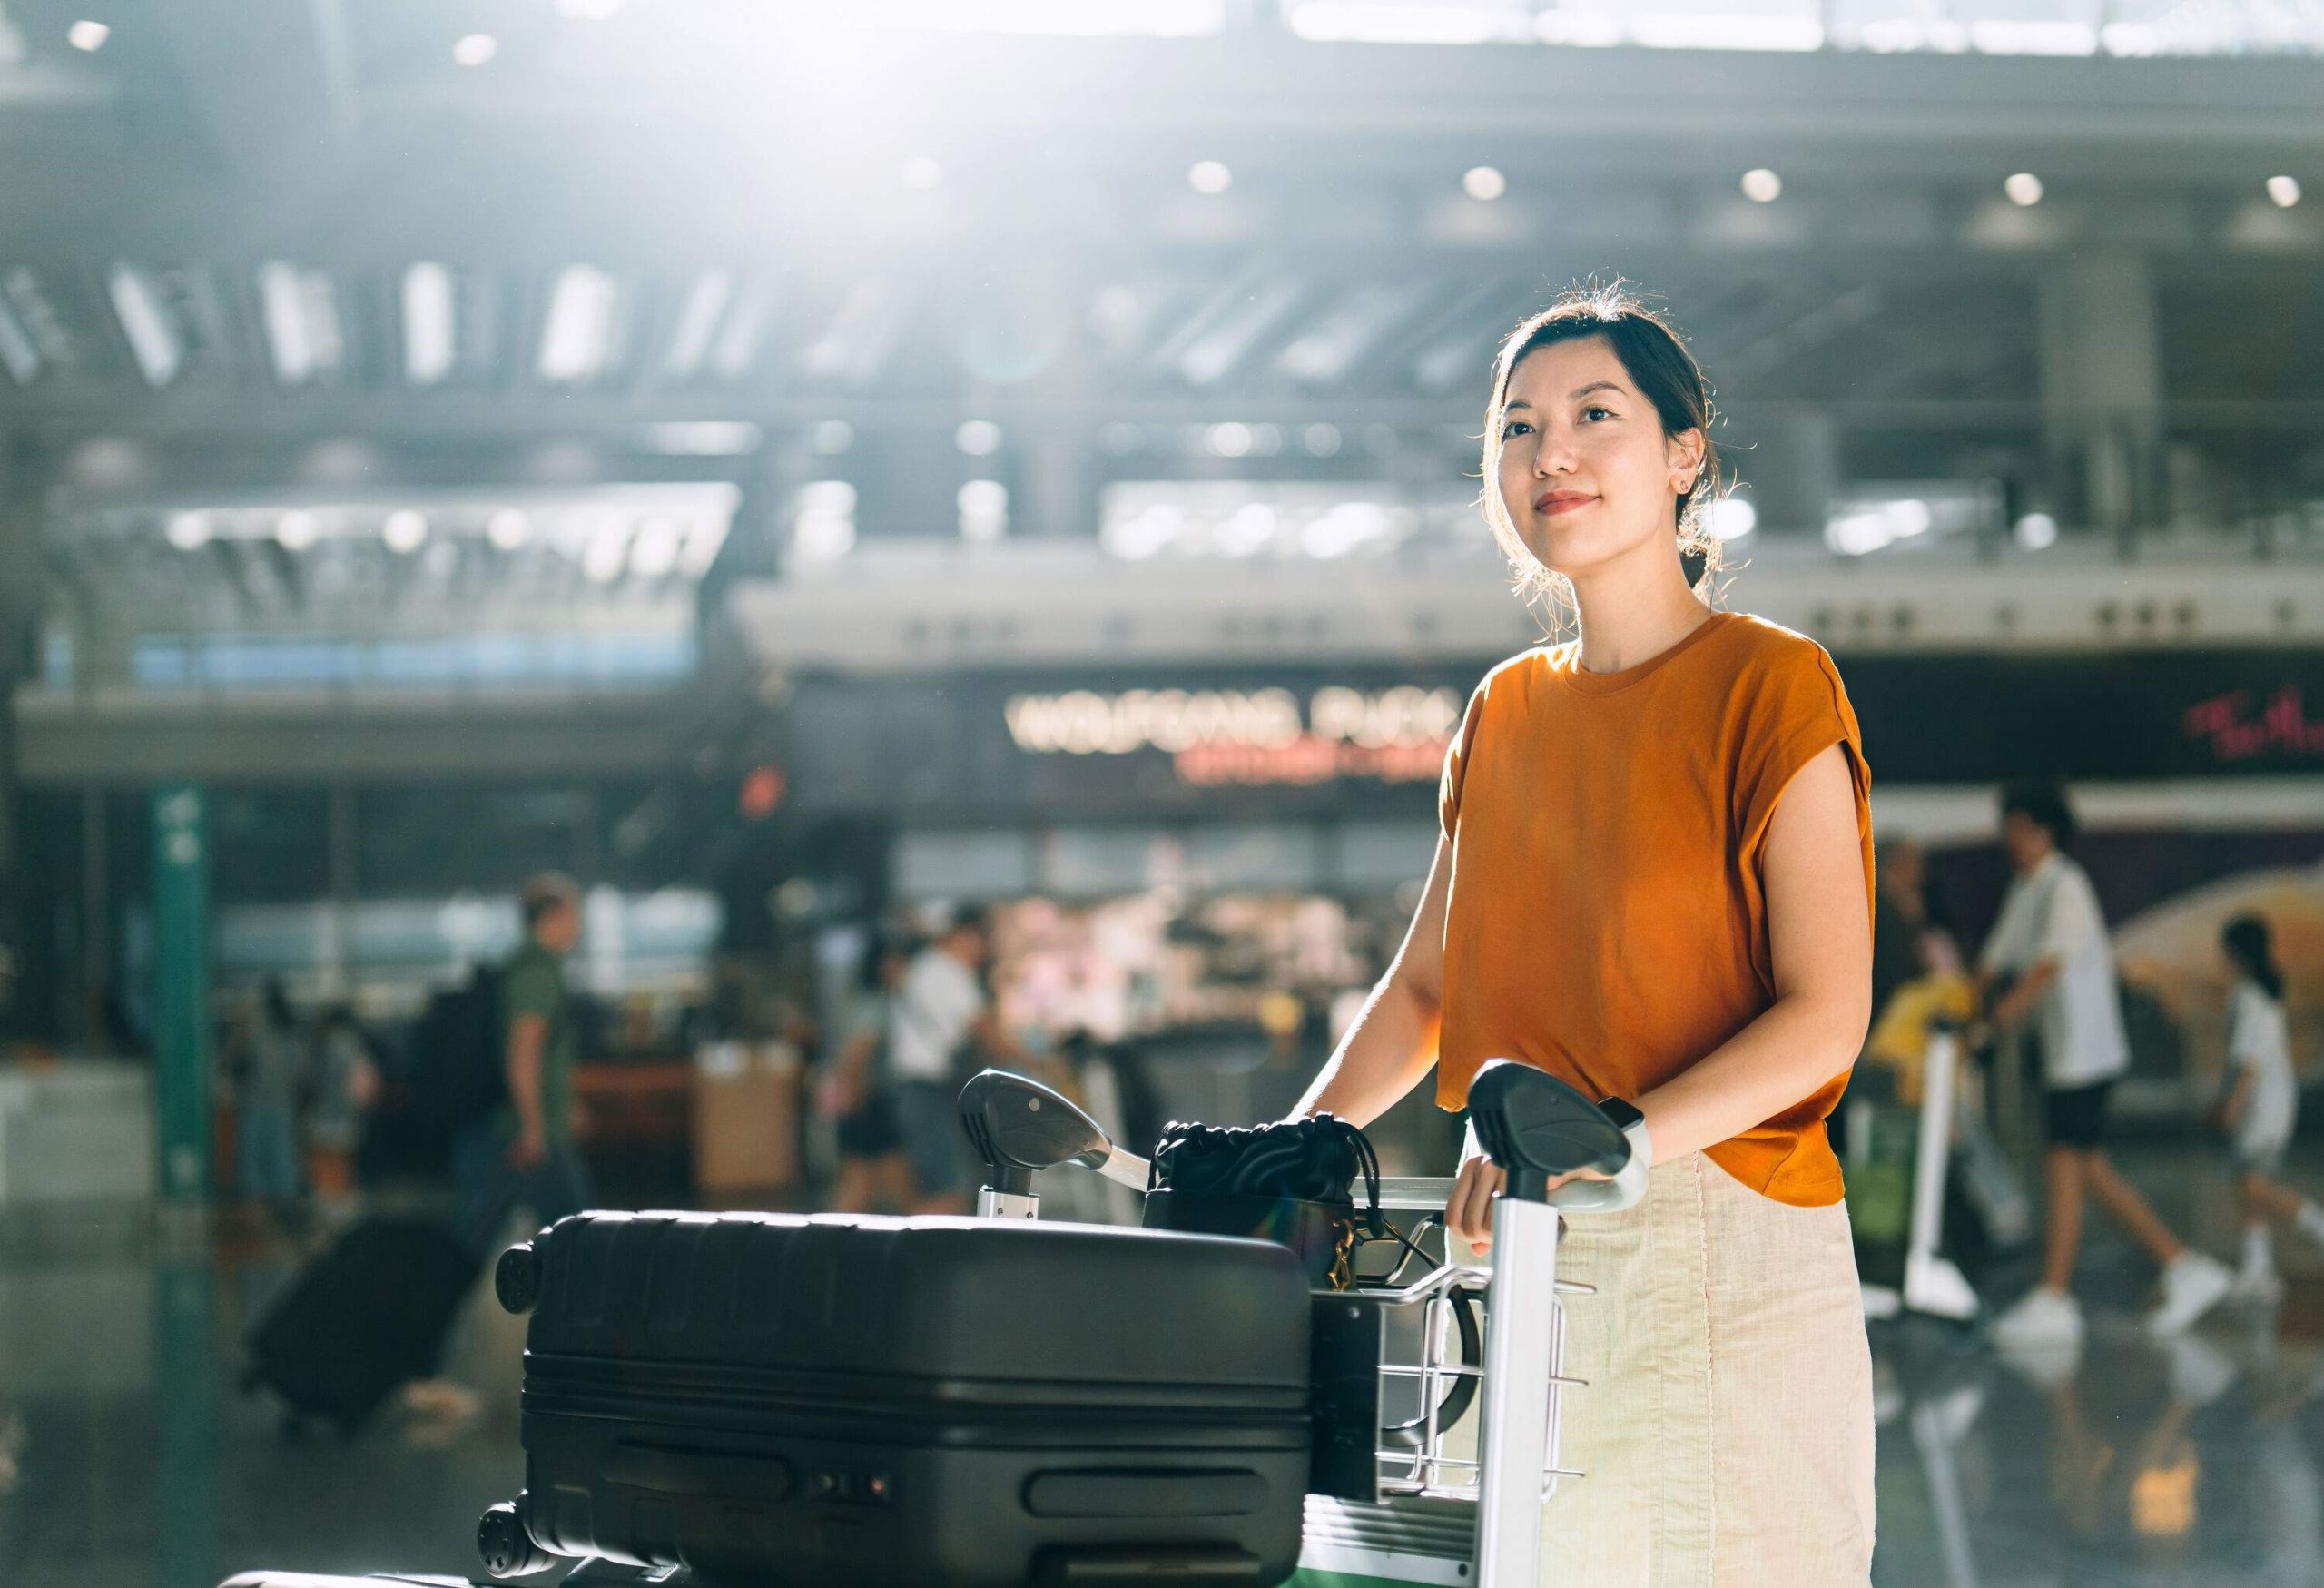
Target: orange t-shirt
{"x": 1607, "y": 919}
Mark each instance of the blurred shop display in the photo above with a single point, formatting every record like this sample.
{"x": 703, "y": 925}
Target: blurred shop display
{"x": 746, "y": 1103}
{"x": 81, "y": 1132}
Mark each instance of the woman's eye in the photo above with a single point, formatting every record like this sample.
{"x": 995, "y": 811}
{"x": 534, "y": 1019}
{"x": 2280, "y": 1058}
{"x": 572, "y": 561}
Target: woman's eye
{"x": 1593, "y": 413}
{"x": 1514, "y": 428}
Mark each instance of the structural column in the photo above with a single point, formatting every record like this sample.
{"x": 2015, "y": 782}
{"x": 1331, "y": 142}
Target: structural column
{"x": 19, "y": 615}
{"x": 182, "y": 990}
{"x": 2101, "y": 390}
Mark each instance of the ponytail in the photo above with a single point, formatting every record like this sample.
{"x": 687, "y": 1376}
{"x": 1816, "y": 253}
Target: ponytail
{"x": 2250, "y": 945}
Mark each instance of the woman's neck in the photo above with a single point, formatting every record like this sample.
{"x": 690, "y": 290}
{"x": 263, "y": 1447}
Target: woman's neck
{"x": 1635, "y": 610}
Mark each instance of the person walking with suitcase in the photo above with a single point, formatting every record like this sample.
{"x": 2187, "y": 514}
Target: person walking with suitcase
{"x": 1653, "y": 881}
{"x": 2048, "y": 968}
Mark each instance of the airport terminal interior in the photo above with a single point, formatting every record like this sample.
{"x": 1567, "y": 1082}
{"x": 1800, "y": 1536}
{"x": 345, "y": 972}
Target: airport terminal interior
{"x": 569, "y": 567}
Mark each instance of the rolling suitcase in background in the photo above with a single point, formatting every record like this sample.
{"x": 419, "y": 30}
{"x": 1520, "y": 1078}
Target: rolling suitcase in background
{"x": 361, "y": 1320}
{"x": 925, "y": 1403}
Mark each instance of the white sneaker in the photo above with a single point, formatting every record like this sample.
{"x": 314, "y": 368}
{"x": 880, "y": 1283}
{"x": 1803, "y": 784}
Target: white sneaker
{"x": 2045, "y": 1320}
{"x": 2260, "y": 1286}
{"x": 2192, "y": 1285}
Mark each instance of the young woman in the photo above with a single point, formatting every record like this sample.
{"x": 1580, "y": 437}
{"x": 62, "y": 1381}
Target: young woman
{"x": 2261, "y": 1104}
{"x": 1654, "y": 880}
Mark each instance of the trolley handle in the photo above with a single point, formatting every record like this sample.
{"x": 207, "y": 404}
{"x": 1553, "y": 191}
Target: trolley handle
{"x": 1537, "y": 1129}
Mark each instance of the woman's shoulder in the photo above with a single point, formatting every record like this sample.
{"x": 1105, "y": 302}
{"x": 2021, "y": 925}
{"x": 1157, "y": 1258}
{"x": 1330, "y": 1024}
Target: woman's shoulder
{"x": 1508, "y": 682}
{"x": 1761, "y": 644}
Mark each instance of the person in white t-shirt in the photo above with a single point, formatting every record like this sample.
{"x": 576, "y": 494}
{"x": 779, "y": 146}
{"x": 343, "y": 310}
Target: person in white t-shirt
{"x": 933, "y": 1020}
{"x": 2260, "y": 1105}
{"x": 2048, "y": 967}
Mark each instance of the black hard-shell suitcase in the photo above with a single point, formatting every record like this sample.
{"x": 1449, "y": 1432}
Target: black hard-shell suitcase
{"x": 368, "y": 1315}
{"x": 908, "y": 1403}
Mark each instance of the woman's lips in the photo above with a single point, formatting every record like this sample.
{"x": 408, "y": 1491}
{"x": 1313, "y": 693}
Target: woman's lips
{"x": 1550, "y": 504}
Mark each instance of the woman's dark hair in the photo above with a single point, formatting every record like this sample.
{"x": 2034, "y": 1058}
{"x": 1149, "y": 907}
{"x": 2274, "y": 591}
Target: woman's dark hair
{"x": 2248, "y": 944}
{"x": 1655, "y": 359}
{"x": 2044, "y": 806}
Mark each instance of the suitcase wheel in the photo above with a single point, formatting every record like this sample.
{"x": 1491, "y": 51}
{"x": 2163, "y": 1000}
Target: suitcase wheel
{"x": 517, "y": 1279}
{"x": 507, "y": 1549}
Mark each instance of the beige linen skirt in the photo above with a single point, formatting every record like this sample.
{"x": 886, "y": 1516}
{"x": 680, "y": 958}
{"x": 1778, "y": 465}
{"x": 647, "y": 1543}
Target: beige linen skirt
{"x": 1726, "y": 1431}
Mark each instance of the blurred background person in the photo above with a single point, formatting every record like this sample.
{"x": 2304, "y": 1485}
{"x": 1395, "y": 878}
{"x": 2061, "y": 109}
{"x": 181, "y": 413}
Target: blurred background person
{"x": 269, "y": 1061}
{"x": 2049, "y": 969}
{"x": 525, "y": 1152}
{"x": 344, "y": 1082}
{"x": 2261, "y": 1106}
{"x": 941, "y": 1028}
{"x": 874, "y": 1173}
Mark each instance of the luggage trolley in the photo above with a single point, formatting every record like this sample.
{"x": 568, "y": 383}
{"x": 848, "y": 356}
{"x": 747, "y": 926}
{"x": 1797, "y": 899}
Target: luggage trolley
{"x": 1428, "y": 1514}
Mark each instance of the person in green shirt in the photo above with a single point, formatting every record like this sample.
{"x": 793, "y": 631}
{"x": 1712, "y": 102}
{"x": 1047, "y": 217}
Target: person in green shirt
{"x": 524, "y": 1153}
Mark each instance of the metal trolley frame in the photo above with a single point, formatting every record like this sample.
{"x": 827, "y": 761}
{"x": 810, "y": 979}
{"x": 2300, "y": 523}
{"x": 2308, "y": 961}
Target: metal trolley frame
{"x": 1439, "y": 1516}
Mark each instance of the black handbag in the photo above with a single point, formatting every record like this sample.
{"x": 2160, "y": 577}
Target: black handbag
{"x": 1292, "y": 1182}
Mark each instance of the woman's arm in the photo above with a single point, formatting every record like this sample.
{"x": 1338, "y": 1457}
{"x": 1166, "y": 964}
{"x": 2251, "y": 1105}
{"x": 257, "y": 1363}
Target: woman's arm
{"x": 1392, "y": 1043}
{"x": 1821, "y": 941}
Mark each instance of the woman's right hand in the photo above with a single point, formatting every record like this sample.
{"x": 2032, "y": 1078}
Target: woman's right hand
{"x": 1469, "y": 1212}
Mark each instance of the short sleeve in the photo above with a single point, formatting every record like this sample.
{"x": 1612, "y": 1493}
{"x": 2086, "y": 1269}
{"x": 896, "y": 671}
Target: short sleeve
{"x": 1456, "y": 762}
{"x": 1797, "y": 710}
{"x": 531, "y": 987}
{"x": 2072, "y": 922}
{"x": 2243, "y": 1045}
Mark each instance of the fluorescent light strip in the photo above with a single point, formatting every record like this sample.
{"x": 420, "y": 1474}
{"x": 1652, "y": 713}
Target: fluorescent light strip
{"x": 697, "y": 323}
{"x": 578, "y": 338}
{"x": 17, "y": 350}
{"x": 430, "y": 306}
{"x": 302, "y": 322}
{"x": 153, "y": 341}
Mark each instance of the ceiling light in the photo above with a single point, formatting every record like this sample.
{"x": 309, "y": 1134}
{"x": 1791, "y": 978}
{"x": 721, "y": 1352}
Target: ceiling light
{"x": 983, "y": 506}
{"x": 923, "y": 174}
{"x": 428, "y": 316}
{"x": 705, "y": 438}
{"x": 87, "y": 35}
{"x": 705, "y": 303}
{"x": 1762, "y": 186}
{"x": 2037, "y": 531}
{"x": 607, "y": 552}
{"x": 654, "y": 552}
{"x": 475, "y": 49}
{"x": 1321, "y": 441}
{"x": 2024, "y": 190}
{"x": 978, "y": 437}
{"x": 297, "y": 530}
{"x": 1483, "y": 183}
{"x": 1230, "y": 439}
{"x": 1210, "y": 178}
{"x": 302, "y": 319}
{"x": 578, "y": 336}
{"x": 152, "y": 338}
{"x": 2284, "y": 191}
{"x": 17, "y": 350}
{"x": 831, "y": 437}
{"x": 588, "y": 10}
{"x": 188, "y": 531}
{"x": 403, "y": 530}
{"x": 508, "y": 529}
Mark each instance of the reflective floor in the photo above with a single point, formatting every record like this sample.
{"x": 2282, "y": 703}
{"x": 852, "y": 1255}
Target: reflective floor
{"x": 129, "y": 1457}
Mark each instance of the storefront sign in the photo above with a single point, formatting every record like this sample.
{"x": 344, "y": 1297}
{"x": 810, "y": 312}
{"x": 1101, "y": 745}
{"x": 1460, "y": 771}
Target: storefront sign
{"x": 1259, "y": 736}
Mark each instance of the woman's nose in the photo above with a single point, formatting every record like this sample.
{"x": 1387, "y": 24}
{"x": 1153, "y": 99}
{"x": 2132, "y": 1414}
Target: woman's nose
{"x": 1551, "y": 455}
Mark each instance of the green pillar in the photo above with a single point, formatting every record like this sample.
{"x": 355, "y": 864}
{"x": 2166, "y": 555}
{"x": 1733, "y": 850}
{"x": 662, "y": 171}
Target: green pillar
{"x": 182, "y": 990}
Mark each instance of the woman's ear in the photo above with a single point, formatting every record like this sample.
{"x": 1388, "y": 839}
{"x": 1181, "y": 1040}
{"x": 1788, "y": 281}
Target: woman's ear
{"x": 1686, "y": 450}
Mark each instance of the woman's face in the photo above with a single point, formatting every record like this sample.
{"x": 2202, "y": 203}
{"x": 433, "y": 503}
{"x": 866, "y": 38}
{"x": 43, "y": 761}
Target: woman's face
{"x": 1586, "y": 473}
